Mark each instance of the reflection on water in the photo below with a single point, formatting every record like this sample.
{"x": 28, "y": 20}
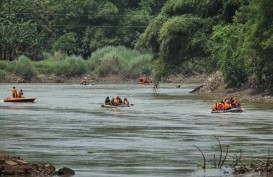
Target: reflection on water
{"x": 155, "y": 137}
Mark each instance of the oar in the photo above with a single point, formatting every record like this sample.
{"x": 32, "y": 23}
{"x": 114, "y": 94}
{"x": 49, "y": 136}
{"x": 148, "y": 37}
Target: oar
{"x": 131, "y": 104}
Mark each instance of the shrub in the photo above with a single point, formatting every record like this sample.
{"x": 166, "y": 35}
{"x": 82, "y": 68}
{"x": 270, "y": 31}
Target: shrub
{"x": 2, "y": 74}
{"x": 71, "y": 66}
{"x": 24, "y": 68}
{"x": 119, "y": 60}
{"x": 46, "y": 66}
{"x": 7, "y": 66}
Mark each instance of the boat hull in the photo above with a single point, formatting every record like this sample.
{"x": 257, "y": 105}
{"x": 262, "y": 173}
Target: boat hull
{"x": 232, "y": 110}
{"x": 114, "y": 106}
{"x": 11, "y": 99}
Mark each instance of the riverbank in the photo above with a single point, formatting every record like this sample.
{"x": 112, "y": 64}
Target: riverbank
{"x": 210, "y": 85}
{"x": 214, "y": 86}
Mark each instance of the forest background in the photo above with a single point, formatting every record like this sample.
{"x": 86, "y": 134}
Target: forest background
{"x": 100, "y": 38}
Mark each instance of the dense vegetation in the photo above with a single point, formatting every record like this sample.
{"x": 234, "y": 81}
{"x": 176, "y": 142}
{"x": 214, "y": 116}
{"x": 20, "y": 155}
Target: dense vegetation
{"x": 182, "y": 36}
{"x": 127, "y": 63}
{"x": 233, "y": 36}
{"x": 31, "y": 27}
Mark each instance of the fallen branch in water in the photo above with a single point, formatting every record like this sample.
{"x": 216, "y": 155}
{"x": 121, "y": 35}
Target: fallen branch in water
{"x": 204, "y": 158}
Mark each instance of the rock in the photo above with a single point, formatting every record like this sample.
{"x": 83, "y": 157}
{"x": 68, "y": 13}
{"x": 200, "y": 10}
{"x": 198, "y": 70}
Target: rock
{"x": 11, "y": 163}
{"x": 22, "y": 162}
{"x": 14, "y": 165}
{"x": 65, "y": 172}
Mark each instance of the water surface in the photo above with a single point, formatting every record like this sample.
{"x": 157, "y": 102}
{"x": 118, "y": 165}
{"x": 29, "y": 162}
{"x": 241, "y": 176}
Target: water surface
{"x": 154, "y": 138}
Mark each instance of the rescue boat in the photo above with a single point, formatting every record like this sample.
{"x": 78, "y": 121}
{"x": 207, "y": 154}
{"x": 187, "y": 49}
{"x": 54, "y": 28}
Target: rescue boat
{"x": 115, "y": 106}
{"x": 24, "y": 99}
{"x": 232, "y": 110}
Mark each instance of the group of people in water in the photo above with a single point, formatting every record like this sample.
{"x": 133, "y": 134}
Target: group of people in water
{"x": 226, "y": 104}
{"x": 116, "y": 101}
{"x": 16, "y": 94}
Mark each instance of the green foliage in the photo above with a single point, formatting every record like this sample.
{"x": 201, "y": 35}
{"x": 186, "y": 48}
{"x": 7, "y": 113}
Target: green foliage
{"x": 149, "y": 40}
{"x": 3, "y": 74}
{"x": 71, "y": 66}
{"x": 188, "y": 35}
{"x": 24, "y": 68}
{"x": 176, "y": 37}
{"x": 47, "y": 66}
{"x": 4, "y": 64}
{"x": 66, "y": 43}
{"x": 228, "y": 56}
{"x": 74, "y": 27}
{"x": 235, "y": 36}
{"x": 159, "y": 70}
{"x": 119, "y": 61}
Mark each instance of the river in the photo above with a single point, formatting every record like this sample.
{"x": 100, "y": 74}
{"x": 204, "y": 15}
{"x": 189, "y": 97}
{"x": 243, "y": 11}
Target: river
{"x": 156, "y": 137}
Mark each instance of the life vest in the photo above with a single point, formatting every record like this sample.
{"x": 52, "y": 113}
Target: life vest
{"x": 215, "y": 106}
{"x": 14, "y": 93}
{"x": 226, "y": 106}
{"x": 220, "y": 106}
{"x": 116, "y": 101}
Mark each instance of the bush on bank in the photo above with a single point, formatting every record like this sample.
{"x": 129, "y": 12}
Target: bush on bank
{"x": 119, "y": 61}
{"x": 24, "y": 68}
{"x": 104, "y": 62}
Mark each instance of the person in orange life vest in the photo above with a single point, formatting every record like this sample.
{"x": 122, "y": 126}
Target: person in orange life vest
{"x": 20, "y": 94}
{"x": 125, "y": 101}
{"x": 117, "y": 101}
{"x": 238, "y": 105}
{"x": 14, "y": 92}
{"x": 220, "y": 106}
{"x": 214, "y": 107}
{"x": 226, "y": 106}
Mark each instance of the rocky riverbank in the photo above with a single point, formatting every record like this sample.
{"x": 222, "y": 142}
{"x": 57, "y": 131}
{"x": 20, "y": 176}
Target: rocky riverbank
{"x": 214, "y": 86}
{"x": 14, "y": 165}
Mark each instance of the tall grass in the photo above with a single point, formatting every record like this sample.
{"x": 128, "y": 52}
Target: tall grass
{"x": 6, "y": 66}
{"x": 46, "y": 66}
{"x": 71, "y": 66}
{"x": 104, "y": 62}
{"x": 119, "y": 61}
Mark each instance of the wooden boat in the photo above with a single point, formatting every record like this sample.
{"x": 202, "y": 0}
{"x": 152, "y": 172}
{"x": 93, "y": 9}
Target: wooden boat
{"x": 232, "y": 110}
{"x": 25, "y": 99}
{"x": 115, "y": 106}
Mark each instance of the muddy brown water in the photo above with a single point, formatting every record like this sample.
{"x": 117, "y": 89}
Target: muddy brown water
{"x": 155, "y": 137}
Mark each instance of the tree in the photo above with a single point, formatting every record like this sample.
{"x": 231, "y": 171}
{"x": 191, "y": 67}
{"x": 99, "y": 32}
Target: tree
{"x": 180, "y": 34}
